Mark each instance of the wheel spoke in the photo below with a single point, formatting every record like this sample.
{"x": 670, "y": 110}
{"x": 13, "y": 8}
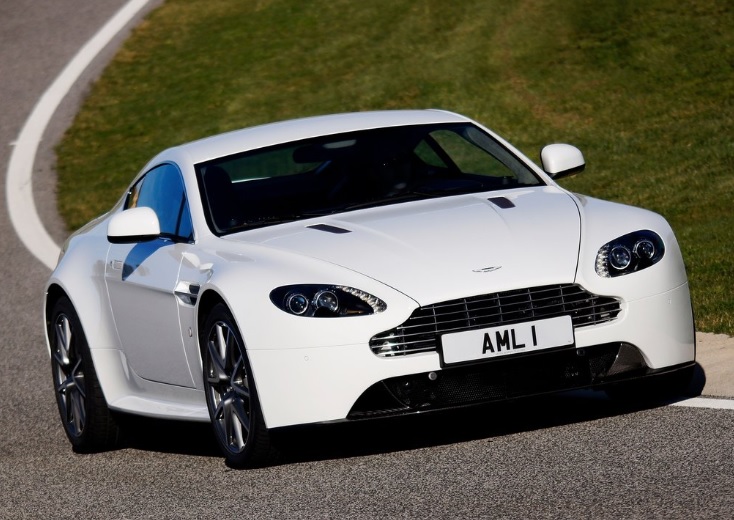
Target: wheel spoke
{"x": 66, "y": 386}
{"x": 232, "y": 426}
{"x": 227, "y": 419}
{"x": 216, "y": 371}
{"x": 78, "y": 375}
{"x": 239, "y": 381}
{"x": 242, "y": 392}
{"x": 221, "y": 339}
{"x": 75, "y": 411}
{"x": 219, "y": 412}
{"x": 63, "y": 340}
{"x": 60, "y": 359}
{"x": 238, "y": 438}
{"x": 240, "y": 412}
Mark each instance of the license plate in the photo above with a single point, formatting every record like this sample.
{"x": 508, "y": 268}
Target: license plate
{"x": 506, "y": 340}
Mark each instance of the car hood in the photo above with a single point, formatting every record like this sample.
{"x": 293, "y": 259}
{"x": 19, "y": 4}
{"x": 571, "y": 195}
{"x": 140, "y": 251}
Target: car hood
{"x": 446, "y": 248}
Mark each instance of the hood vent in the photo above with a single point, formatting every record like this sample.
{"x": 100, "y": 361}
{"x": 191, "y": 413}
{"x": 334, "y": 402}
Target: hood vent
{"x": 329, "y": 229}
{"x": 502, "y": 202}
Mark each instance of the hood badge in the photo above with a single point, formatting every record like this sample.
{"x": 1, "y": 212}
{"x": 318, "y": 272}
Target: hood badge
{"x": 487, "y": 269}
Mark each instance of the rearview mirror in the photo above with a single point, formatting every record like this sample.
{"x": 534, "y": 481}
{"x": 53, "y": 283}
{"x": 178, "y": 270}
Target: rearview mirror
{"x": 562, "y": 160}
{"x": 133, "y": 225}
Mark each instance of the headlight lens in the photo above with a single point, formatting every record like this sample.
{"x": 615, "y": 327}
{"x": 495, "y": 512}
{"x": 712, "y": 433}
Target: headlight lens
{"x": 296, "y": 303}
{"x": 325, "y": 301}
{"x": 629, "y": 253}
{"x": 620, "y": 258}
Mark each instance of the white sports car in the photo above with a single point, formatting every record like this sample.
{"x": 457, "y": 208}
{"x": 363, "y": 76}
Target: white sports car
{"x": 354, "y": 266}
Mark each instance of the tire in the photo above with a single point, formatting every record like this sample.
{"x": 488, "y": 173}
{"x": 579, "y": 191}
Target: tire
{"x": 86, "y": 419}
{"x": 231, "y": 396}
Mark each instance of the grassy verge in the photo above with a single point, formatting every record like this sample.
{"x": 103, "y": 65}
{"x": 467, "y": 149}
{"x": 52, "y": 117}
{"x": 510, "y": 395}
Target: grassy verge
{"x": 644, "y": 88}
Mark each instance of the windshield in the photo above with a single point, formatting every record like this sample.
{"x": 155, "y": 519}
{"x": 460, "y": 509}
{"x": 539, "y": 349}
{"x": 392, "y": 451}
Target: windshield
{"x": 345, "y": 172}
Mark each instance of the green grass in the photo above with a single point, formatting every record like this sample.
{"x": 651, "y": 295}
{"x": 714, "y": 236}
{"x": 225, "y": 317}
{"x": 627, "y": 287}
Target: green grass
{"x": 645, "y": 89}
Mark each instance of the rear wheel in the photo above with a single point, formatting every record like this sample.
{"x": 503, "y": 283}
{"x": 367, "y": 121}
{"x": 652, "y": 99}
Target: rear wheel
{"x": 87, "y": 420}
{"x": 231, "y": 395}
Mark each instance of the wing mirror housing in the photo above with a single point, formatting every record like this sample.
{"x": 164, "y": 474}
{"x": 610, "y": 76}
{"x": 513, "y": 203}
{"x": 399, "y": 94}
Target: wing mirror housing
{"x": 562, "y": 160}
{"x": 133, "y": 225}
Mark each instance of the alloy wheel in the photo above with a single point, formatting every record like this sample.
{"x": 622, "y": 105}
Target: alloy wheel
{"x": 228, "y": 387}
{"x": 68, "y": 372}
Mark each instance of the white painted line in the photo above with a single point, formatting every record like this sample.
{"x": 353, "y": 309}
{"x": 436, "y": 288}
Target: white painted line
{"x": 19, "y": 190}
{"x": 705, "y": 402}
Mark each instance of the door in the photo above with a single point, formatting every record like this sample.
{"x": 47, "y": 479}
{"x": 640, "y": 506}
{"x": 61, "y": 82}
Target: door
{"x": 142, "y": 279}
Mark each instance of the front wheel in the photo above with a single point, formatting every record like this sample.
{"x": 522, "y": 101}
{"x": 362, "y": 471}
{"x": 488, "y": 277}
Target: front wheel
{"x": 231, "y": 395}
{"x": 87, "y": 421}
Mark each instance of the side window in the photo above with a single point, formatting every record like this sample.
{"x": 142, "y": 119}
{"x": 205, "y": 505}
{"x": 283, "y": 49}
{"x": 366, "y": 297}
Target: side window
{"x": 162, "y": 190}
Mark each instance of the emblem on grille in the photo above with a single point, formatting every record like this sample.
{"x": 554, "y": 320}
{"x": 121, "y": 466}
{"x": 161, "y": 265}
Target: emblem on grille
{"x": 487, "y": 269}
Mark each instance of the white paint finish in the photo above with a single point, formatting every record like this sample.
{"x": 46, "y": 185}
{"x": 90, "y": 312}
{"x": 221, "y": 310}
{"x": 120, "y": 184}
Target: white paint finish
{"x": 127, "y": 392}
{"x": 135, "y": 222}
{"x": 602, "y": 222}
{"x": 19, "y": 189}
{"x": 558, "y": 158}
{"x": 436, "y": 250}
{"x": 141, "y": 280}
{"x": 322, "y": 384}
{"x": 661, "y": 326}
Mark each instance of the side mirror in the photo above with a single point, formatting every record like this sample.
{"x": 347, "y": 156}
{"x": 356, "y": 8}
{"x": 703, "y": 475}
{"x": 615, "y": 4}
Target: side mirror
{"x": 133, "y": 225}
{"x": 561, "y": 160}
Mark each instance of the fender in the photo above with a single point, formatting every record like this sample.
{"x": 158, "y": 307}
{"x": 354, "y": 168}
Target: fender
{"x": 89, "y": 299}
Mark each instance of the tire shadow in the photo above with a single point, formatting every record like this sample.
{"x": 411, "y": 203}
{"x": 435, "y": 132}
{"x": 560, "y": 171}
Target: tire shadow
{"x": 167, "y": 436}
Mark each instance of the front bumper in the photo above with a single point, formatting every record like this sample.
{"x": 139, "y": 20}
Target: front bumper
{"x": 321, "y": 384}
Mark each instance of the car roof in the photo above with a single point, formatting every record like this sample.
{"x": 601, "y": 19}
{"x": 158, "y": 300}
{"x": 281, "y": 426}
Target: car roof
{"x": 282, "y": 132}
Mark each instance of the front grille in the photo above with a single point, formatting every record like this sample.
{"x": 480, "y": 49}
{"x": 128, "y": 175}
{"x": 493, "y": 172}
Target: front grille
{"x": 420, "y": 333}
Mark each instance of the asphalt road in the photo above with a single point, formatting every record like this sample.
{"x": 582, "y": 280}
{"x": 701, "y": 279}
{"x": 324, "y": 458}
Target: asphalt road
{"x": 572, "y": 456}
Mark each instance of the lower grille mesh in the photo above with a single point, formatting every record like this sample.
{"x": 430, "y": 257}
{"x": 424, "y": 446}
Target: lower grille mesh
{"x": 513, "y": 377}
{"x": 421, "y": 331}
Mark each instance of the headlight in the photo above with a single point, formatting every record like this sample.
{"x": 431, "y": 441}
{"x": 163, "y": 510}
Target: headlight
{"x": 325, "y": 301}
{"x": 629, "y": 253}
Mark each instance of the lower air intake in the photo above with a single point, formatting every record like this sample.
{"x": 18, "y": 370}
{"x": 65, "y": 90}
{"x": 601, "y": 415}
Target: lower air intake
{"x": 497, "y": 380}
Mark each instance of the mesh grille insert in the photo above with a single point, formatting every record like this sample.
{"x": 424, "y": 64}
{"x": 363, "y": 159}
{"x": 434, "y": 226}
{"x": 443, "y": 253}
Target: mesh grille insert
{"x": 421, "y": 331}
{"x": 497, "y": 380}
